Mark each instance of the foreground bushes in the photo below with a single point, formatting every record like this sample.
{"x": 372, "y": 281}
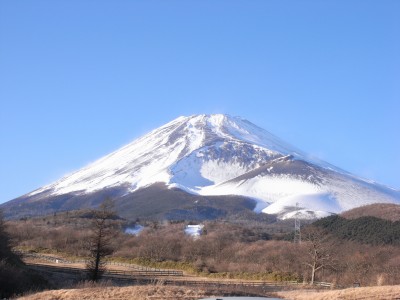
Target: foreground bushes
{"x": 15, "y": 278}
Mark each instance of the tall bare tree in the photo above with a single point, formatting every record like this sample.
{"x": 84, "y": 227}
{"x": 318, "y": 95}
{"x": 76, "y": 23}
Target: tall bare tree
{"x": 319, "y": 251}
{"x": 99, "y": 244}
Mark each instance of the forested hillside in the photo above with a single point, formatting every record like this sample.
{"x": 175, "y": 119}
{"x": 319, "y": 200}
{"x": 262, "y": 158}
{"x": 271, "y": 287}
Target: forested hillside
{"x": 367, "y": 230}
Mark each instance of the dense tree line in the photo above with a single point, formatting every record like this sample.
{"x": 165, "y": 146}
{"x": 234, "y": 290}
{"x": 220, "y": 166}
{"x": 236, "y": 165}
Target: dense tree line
{"x": 367, "y": 230}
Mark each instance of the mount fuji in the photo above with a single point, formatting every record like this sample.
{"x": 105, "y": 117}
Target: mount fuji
{"x": 202, "y": 164}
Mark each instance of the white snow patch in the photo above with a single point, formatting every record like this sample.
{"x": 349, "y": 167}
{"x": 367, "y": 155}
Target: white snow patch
{"x": 305, "y": 214}
{"x": 265, "y": 188}
{"x": 194, "y": 230}
{"x": 315, "y": 202}
{"x": 135, "y": 230}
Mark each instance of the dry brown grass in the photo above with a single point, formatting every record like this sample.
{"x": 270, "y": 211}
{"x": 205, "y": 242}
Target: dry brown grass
{"x": 362, "y": 293}
{"x": 119, "y": 293}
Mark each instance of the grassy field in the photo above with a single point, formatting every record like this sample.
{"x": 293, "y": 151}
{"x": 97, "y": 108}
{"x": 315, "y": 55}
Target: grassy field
{"x": 119, "y": 293}
{"x": 173, "y": 292}
{"x": 364, "y": 293}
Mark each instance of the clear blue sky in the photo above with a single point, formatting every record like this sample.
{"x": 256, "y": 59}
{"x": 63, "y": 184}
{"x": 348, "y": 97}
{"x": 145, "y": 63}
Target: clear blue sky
{"x": 80, "y": 78}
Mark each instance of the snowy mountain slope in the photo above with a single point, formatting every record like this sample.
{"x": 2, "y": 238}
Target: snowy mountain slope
{"x": 284, "y": 182}
{"x": 185, "y": 151}
{"x": 214, "y": 155}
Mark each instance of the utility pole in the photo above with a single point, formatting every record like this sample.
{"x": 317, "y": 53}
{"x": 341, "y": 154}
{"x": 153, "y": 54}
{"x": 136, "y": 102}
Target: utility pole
{"x": 297, "y": 233}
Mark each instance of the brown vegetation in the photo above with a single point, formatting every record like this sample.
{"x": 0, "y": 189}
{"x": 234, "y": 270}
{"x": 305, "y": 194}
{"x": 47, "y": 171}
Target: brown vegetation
{"x": 385, "y": 211}
{"x": 173, "y": 292}
{"x": 128, "y": 293}
{"x": 364, "y": 293}
{"x": 242, "y": 250}
{"x": 319, "y": 250}
{"x": 14, "y": 277}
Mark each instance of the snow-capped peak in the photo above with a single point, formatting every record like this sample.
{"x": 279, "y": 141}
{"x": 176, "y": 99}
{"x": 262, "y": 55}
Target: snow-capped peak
{"x": 157, "y": 156}
{"x": 221, "y": 155}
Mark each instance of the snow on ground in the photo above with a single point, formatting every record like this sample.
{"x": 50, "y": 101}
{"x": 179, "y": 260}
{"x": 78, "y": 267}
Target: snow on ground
{"x": 197, "y": 171}
{"x": 264, "y": 188}
{"x": 187, "y": 172}
{"x": 315, "y": 202}
{"x": 147, "y": 160}
{"x": 279, "y": 195}
{"x": 305, "y": 214}
{"x": 135, "y": 230}
{"x": 194, "y": 230}
{"x": 353, "y": 192}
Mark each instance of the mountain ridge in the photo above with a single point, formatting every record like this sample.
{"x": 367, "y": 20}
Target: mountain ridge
{"x": 220, "y": 155}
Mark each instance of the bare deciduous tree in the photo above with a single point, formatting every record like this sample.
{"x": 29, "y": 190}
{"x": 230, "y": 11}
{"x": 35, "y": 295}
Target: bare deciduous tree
{"x": 318, "y": 251}
{"x": 99, "y": 244}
